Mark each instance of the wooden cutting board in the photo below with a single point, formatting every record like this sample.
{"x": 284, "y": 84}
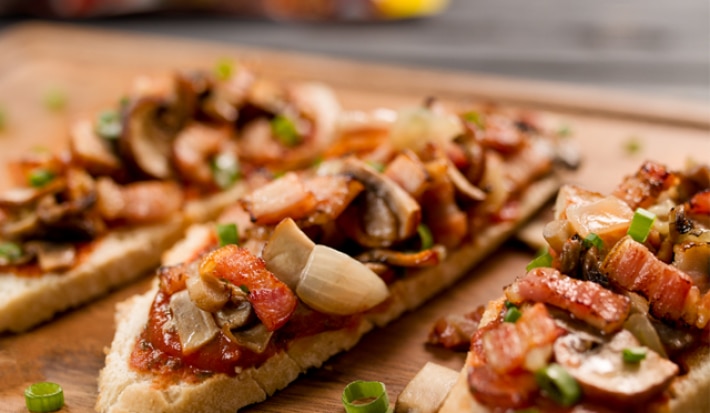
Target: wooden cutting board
{"x": 92, "y": 69}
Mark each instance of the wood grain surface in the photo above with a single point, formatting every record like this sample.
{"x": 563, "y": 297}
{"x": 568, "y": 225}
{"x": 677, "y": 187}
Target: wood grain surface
{"x": 93, "y": 68}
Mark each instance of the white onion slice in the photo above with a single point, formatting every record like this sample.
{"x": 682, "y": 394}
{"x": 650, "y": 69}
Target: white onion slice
{"x": 287, "y": 252}
{"x": 335, "y": 283}
{"x": 195, "y": 327}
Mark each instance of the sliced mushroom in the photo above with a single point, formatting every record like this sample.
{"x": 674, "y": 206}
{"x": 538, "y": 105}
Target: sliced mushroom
{"x": 90, "y": 151}
{"x": 235, "y": 316}
{"x": 25, "y": 197}
{"x": 146, "y": 142}
{"x": 693, "y": 258}
{"x": 603, "y": 374}
{"x": 52, "y": 257}
{"x": 405, "y": 209}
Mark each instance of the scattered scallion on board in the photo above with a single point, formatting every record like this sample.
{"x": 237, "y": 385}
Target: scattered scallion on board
{"x": 44, "y": 397}
{"x": 366, "y": 397}
{"x": 55, "y": 99}
{"x": 632, "y": 145}
{"x": 224, "y": 68}
{"x": 227, "y": 234}
{"x": 641, "y": 224}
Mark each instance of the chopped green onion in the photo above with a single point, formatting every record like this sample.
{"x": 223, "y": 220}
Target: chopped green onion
{"x": 224, "y": 69}
{"x": 632, "y": 146}
{"x": 564, "y": 131}
{"x": 641, "y": 224}
{"x": 319, "y": 160}
{"x": 123, "y": 103}
{"x": 633, "y": 354}
{"x": 244, "y": 288}
{"x": 40, "y": 177}
{"x": 10, "y": 251}
{"x": 475, "y": 118}
{"x": 365, "y": 397}
{"x": 108, "y": 125}
{"x": 55, "y": 99}
{"x": 44, "y": 397}
{"x": 425, "y": 236}
{"x": 508, "y": 304}
{"x": 227, "y": 234}
{"x": 558, "y": 384}
{"x": 378, "y": 166}
{"x": 593, "y": 240}
{"x": 512, "y": 315}
{"x": 225, "y": 169}
{"x": 543, "y": 260}
{"x": 285, "y": 130}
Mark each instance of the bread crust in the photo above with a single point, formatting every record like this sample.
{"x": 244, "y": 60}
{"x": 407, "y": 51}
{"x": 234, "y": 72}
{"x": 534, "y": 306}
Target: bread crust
{"x": 688, "y": 393}
{"x": 123, "y": 390}
{"x": 116, "y": 259}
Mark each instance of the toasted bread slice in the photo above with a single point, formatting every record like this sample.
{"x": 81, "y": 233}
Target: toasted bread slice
{"x": 122, "y": 389}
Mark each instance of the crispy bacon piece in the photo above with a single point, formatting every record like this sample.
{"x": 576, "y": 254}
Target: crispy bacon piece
{"x": 586, "y": 300}
{"x": 272, "y": 300}
{"x": 279, "y": 199}
{"x": 454, "y": 332}
{"x": 642, "y": 189}
{"x": 700, "y": 203}
{"x": 333, "y": 194}
{"x": 670, "y": 292}
{"x": 497, "y": 376}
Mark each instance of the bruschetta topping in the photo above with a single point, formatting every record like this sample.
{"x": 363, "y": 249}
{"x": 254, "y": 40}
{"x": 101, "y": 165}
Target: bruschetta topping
{"x": 586, "y": 300}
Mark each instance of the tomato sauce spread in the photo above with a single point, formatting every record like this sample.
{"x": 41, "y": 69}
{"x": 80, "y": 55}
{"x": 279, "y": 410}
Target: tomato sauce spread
{"x": 158, "y": 349}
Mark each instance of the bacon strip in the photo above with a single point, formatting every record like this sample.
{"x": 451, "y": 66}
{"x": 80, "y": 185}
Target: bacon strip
{"x": 670, "y": 292}
{"x": 642, "y": 189}
{"x": 586, "y": 300}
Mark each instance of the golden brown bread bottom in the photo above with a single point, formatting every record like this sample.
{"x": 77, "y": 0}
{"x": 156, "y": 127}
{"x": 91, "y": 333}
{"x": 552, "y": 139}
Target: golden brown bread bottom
{"x": 124, "y": 390}
{"x": 689, "y": 393}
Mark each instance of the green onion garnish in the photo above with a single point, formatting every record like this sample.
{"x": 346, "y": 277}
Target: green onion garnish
{"x": 633, "y": 354}
{"x": 224, "y": 69}
{"x": 425, "y": 236}
{"x": 44, "y": 397}
{"x": 244, "y": 289}
{"x": 558, "y": 384}
{"x": 641, "y": 224}
{"x": 593, "y": 240}
{"x": 632, "y": 146}
{"x": 108, "y": 125}
{"x": 378, "y": 166}
{"x": 225, "y": 170}
{"x": 366, "y": 397}
{"x": 508, "y": 304}
{"x": 543, "y": 260}
{"x": 475, "y": 118}
{"x": 40, "y": 177}
{"x": 227, "y": 234}
{"x": 564, "y": 131}
{"x": 55, "y": 99}
{"x": 285, "y": 131}
{"x": 512, "y": 315}
{"x": 10, "y": 251}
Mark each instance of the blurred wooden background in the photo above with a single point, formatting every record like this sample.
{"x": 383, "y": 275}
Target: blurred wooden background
{"x": 652, "y": 47}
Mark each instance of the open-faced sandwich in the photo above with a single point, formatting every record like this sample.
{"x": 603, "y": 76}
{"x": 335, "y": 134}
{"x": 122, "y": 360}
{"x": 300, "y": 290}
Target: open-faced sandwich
{"x": 614, "y": 316}
{"x": 176, "y": 150}
{"x": 301, "y": 267}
